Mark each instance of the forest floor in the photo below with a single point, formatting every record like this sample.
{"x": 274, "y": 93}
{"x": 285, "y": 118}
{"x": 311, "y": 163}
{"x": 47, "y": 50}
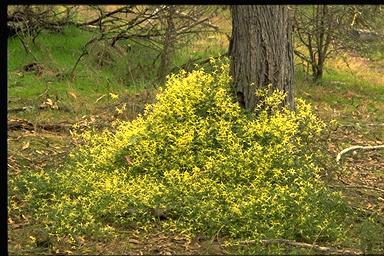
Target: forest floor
{"x": 43, "y": 106}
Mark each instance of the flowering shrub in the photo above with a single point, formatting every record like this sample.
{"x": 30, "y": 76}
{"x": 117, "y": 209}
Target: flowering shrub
{"x": 209, "y": 165}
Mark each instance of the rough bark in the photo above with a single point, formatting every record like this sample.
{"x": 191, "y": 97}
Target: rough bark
{"x": 261, "y": 52}
{"x": 168, "y": 48}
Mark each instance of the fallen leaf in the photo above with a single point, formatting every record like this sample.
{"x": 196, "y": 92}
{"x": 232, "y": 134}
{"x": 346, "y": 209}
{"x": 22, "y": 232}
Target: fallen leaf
{"x": 49, "y": 102}
{"x": 25, "y": 146}
{"x": 73, "y": 95}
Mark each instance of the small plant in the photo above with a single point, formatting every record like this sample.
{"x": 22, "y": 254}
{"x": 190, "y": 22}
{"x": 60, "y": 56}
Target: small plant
{"x": 197, "y": 163}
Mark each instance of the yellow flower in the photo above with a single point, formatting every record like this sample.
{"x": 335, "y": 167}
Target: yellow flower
{"x": 114, "y": 96}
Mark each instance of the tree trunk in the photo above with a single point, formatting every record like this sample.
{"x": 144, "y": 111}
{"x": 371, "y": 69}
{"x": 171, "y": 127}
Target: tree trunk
{"x": 322, "y": 40}
{"x": 168, "y": 45}
{"x": 261, "y": 52}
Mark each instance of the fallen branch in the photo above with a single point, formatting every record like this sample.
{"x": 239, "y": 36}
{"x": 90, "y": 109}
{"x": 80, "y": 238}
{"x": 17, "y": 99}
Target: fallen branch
{"x": 360, "y": 186}
{"x": 20, "y": 109}
{"x": 357, "y": 147}
{"x": 18, "y": 124}
{"x": 41, "y": 107}
{"x": 359, "y": 126}
{"x": 322, "y": 249}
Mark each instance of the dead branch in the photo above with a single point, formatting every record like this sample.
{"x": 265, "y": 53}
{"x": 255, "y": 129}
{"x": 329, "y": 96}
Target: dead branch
{"x": 322, "y": 249}
{"x": 302, "y": 56}
{"x": 20, "y": 109}
{"x": 357, "y": 147}
{"x": 84, "y": 52}
{"x": 25, "y": 45}
{"x": 360, "y": 186}
{"x": 18, "y": 124}
{"x": 204, "y": 21}
{"x": 29, "y": 108}
{"x": 45, "y": 91}
{"x": 102, "y": 96}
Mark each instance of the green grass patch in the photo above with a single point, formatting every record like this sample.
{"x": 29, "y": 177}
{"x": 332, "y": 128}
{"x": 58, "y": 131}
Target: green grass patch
{"x": 352, "y": 102}
{"x": 129, "y": 68}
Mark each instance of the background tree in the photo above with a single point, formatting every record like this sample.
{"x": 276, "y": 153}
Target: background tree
{"x": 161, "y": 28}
{"x": 261, "y": 52}
{"x": 168, "y": 44}
{"x": 322, "y": 30}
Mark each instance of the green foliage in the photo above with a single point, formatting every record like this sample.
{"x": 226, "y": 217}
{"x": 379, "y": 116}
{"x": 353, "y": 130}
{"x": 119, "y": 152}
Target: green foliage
{"x": 195, "y": 154}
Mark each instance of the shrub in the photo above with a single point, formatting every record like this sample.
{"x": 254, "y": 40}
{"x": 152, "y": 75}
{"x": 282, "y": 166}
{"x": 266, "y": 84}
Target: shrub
{"x": 202, "y": 160}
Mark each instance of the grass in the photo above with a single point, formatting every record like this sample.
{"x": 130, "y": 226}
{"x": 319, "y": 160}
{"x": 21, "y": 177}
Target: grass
{"x": 353, "y": 96}
{"x": 346, "y": 97}
{"x": 56, "y": 55}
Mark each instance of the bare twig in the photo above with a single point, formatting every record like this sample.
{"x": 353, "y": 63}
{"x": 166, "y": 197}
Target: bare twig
{"x": 45, "y": 91}
{"x": 301, "y": 56}
{"x": 204, "y": 21}
{"x": 102, "y": 96}
{"x": 85, "y": 52}
{"x": 25, "y": 45}
{"x": 125, "y": 9}
{"x": 357, "y": 147}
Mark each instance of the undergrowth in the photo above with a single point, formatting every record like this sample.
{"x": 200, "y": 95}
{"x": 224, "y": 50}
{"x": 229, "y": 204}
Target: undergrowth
{"x": 195, "y": 163}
